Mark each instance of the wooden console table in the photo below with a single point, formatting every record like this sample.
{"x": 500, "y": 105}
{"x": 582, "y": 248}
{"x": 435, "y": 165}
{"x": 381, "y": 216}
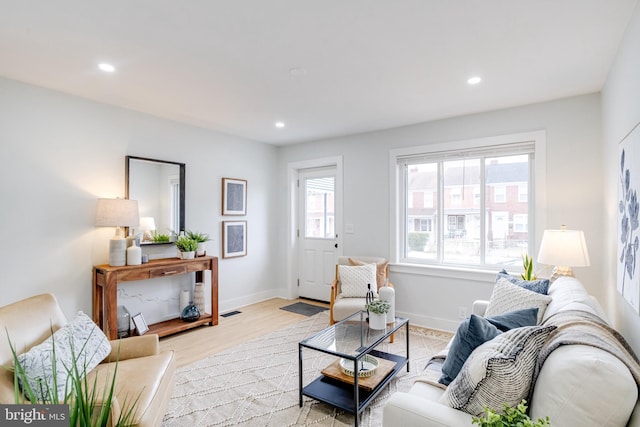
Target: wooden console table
{"x": 105, "y": 296}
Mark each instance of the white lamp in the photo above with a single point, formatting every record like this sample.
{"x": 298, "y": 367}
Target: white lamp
{"x": 147, "y": 225}
{"x": 564, "y": 249}
{"x": 117, "y": 213}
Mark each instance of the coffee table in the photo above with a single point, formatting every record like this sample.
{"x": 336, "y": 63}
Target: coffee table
{"x": 351, "y": 339}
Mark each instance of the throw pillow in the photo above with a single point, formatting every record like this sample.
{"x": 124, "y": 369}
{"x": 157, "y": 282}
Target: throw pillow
{"x": 381, "y": 270}
{"x": 508, "y": 297}
{"x": 79, "y": 340}
{"x": 355, "y": 280}
{"x": 478, "y": 330}
{"x": 540, "y": 286}
{"x": 498, "y": 373}
{"x": 472, "y": 332}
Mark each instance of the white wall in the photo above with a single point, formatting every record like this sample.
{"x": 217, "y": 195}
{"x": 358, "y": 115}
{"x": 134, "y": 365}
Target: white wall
{"x": 574, "y": 193}
{"x": 620, "y": 114}
{"x": 60, "y": 153}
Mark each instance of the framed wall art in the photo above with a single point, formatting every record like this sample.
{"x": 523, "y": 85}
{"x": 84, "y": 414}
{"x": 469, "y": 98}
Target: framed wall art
{"x": 234, "y": 196}
{"x": 628, "y": 272}
{"x": 234, "y": 239}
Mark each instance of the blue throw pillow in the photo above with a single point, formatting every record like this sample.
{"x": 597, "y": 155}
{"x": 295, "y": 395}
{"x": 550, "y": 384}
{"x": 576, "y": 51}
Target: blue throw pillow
{"x": 477, "y": 330}
{"x": 515, "y": 319}
{"x": 471, "y": 333}
{"x": 540, "y": 286}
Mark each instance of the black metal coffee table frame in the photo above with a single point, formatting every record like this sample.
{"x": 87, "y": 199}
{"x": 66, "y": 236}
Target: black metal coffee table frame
{"x": 341, "y": 340}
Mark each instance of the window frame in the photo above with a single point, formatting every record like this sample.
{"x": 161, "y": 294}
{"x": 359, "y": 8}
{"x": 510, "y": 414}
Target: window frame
{"x": 537, "y": 190}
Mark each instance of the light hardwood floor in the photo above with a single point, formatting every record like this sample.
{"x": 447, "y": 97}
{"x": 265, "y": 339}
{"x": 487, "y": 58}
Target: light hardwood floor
{"x": 253, "y": 321}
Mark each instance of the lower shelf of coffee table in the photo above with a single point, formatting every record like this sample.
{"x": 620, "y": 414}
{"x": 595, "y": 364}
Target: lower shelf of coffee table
{"x": 340, "y": 394}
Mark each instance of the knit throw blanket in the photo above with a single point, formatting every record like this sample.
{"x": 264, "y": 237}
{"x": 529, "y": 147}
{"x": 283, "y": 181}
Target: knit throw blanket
{"x": 582, "y": 327}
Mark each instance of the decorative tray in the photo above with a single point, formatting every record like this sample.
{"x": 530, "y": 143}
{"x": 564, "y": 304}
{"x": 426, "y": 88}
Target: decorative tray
{"x": 368, "y": 365}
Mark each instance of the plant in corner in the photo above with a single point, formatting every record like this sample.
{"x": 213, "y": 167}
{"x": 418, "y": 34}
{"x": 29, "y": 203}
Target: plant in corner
{"x": 527, "y": 263}
{"x": 512, "y": 417}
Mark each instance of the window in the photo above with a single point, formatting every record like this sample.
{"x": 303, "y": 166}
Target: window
{"x": 481, "y": 202}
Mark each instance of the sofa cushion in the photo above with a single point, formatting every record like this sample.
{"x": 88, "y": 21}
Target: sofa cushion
{"x": 345, "y": 307}
{"x": 581, "y": 385}
{"x": 498, "y": 372}
{"x": 471, "y": 333}
{"x": 355, "y": 280}
{"x": 79, "y": 341}
{"x": 381, "y": 270}
{"x": 508, "y": 297}
{"x": 540, "y": 286}
{"x": 477, "y": 330}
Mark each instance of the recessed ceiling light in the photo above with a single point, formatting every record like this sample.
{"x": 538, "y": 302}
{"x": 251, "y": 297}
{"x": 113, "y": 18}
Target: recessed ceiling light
{"x": 107, "y": 67}
{"x": 279, "y": 124}
{"x": 474, "y": 80}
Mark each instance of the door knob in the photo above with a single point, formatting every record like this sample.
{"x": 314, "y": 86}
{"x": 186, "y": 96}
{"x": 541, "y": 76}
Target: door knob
{"x": 336, "y": 245}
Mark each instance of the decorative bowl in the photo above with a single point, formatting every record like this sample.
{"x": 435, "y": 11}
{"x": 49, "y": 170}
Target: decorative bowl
{"x": 368, "y": 365}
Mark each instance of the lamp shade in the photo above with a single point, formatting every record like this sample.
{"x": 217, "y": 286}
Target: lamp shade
{"x": 564, "y": 247}
{"x": 147, "y": 223}
{"x": 117, "y": 213}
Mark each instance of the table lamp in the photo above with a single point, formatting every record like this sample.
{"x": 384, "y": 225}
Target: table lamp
{"x": 117, "y": 213}
{"x": 564, "y": 249}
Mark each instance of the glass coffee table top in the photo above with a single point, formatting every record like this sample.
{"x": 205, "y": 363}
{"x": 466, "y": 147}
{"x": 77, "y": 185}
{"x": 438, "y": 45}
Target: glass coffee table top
{"x": 350, "y": 337}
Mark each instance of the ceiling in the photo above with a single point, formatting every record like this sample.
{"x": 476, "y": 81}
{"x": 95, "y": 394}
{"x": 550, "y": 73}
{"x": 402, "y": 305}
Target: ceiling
{"x": 323, "y": 67}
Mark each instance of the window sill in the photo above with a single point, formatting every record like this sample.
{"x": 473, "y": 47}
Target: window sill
{"x": 445, "y": 271}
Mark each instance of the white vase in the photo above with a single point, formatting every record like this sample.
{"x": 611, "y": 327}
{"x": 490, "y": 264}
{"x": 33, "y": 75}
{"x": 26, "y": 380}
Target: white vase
{"x": 188, "y": 255}
{"x": 198, "y": 297}
{"x": 377, "y": 321}
{"x": 134, "y": 255}
{"x": 201, "y": 250}
{"x": 388, "y": 294}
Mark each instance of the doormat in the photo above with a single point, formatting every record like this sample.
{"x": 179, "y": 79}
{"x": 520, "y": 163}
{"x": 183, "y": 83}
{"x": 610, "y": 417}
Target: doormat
{"x": 231, "y": 313}
{"x": 304, "y": 308}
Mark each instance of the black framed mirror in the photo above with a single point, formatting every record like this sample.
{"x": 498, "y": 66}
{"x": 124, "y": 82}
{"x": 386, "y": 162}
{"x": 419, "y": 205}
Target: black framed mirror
{"x": 159, "y": 188}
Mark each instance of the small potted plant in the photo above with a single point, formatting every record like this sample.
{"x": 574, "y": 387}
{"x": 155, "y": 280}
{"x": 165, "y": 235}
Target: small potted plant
{"x": 200, "y": 238}
{"x": 511, "y": 417}
{"x": 378, "y": 313}
{"x": 187, "y": 247}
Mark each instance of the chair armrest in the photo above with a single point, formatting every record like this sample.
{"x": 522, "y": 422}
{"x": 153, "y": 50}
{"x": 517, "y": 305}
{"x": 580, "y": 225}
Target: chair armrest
{"x": 409, "y": 410}
{"x": 480, "y": 307}
{"x": 130, "y": 348}
{"x": 334, "y": 295}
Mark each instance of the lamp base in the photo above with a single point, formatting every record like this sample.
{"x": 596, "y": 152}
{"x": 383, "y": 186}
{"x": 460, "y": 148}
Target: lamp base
{"x": 559, "y": 271}
{"x": 117, "y": 250}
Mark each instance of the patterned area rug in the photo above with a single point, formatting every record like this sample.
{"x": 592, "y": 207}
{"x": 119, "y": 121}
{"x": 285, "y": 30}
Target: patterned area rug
{"x": 256, "y": 383}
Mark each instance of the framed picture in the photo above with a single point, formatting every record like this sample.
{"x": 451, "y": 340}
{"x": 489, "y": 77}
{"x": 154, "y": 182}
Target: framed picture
{"x": 234, "y": 239}
{"x": 140, "y": 324}
{"x": 234, "y": 196}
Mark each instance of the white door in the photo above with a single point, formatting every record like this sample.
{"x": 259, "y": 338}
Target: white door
{"x": 317, "y": 235}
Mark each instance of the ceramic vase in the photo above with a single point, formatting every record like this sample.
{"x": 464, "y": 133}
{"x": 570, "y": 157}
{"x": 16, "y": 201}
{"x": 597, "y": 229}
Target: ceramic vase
{"x": 377, "y": 321}
{"x": 187, "y": 255}
{"x": 201, "y": 250}
{"x": 388, "y": 294}
{"x": 190, "y": 313}
{"x": 198, "y": 296}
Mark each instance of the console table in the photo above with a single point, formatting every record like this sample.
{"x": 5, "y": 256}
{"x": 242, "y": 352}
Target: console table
{"x": 105, "y": 296}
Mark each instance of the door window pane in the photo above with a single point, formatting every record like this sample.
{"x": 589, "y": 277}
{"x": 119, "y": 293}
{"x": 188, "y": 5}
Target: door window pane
{"x": 319, "y": 207}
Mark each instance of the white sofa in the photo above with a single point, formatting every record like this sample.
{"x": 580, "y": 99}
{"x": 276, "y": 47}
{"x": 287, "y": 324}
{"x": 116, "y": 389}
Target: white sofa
{"x": 578, "y": 385}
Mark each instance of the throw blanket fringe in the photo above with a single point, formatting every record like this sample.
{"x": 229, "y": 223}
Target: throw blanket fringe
{"x": 433, "y": 371}
{"x": 582, "y": 327}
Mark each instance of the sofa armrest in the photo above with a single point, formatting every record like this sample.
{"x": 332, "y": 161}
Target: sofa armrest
{"x": 133, "y": 347}
{"x": 479, "y": 307}
{"x": 408, "y": 410}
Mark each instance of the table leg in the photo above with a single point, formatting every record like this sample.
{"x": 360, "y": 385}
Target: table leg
{"x": 407, "y": 335}
{"x": 300, "y": 374}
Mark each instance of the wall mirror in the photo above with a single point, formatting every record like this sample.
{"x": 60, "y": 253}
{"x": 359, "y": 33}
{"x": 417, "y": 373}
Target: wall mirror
{"x": 158, "y": 186}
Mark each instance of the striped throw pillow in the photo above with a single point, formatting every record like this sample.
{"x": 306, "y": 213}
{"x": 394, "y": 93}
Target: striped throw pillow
{"x": 497, "y": 373}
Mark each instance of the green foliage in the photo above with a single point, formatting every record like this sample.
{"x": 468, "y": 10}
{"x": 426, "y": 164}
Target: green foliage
{"x": 512, "y": 417}
{"x": 527, "y": 263}
{"x": 197, "y": 236}
{"x": 160, "y": 238}
{"x": 378, "y": 306}
{"x": 89, "y": 406}
{"x": 185, "y": 244}
{"x": 417, "y": 241}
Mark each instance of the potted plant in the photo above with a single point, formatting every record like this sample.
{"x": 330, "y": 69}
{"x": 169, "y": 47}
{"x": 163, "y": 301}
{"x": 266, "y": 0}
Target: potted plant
{"x": 527, "y": 263}
{"x": 160, "y": 238}
{"x": 378, "y": 313}
{"x": 511, "y": 417}
{"x": 187, "y": 247}
{"x": 200, "y": 238}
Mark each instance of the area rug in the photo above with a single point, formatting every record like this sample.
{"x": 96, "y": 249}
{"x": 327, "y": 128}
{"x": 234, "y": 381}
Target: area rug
{"x": 304, "y": 308}
{"x": 256, "y": 383}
